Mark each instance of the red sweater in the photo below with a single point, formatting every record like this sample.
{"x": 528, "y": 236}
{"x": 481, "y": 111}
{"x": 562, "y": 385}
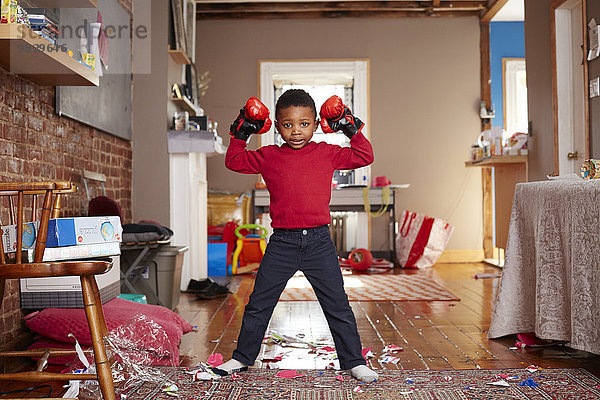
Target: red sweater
{"x": 299, "y": 181}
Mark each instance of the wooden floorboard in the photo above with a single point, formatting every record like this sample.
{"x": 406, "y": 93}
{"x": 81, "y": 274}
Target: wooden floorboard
{"x": 433, "y": 334}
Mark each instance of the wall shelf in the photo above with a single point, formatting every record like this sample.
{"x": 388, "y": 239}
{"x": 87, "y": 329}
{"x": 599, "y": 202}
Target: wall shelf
{"x": 67, "y": 3}
{"x": 185, "y": 104}
{"x": 179, "y": 57}
{"x": 25, "y": 53}
{"x": 495, "y": 160}
{"x": 194, "y": 142}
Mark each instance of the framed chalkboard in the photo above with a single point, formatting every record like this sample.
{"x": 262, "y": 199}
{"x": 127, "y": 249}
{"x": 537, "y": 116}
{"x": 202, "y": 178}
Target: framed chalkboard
{"x": 108, "y": 106}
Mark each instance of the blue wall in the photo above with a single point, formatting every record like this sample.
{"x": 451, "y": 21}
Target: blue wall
{"x": 507, "y": 40}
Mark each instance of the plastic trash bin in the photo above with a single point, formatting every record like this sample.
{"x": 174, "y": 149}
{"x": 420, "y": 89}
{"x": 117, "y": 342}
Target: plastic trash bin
{"x": 162, "y": 276}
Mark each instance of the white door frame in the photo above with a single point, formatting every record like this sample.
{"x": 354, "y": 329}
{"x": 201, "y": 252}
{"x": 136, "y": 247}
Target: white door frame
{"x": 569, "y": 85}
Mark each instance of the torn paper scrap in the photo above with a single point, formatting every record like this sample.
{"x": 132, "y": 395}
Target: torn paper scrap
{"x": 501, "y": 382}
{"x": 215, "y": 359}
{"x": 528, "y": 382}
{"x": 366, "y": 352}
{"x": 171, "y": 389}
{"x": 392, "y": 348}
{"x": 288, "y": 373}
{"x": 325, "y": 350}
{"x": 533, "y": 368}
{"x": 276, "y": 358}
{"x": 389, "y": 360}
{"x": 205, "y": 376}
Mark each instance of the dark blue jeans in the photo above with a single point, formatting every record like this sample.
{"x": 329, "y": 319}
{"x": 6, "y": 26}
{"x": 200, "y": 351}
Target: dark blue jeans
{"x": 311, "y": 251}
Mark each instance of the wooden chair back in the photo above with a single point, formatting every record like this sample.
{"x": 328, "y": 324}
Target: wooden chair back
{"x": 17, "y": 194}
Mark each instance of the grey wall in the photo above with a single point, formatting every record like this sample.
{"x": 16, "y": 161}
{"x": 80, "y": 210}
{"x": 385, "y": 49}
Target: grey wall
{"x": 424, "y": 96}
{"x": 539, "y": 88}
{"x": 150, "y": 95}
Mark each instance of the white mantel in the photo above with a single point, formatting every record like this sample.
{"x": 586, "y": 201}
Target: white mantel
{"x": 188, "y": 197}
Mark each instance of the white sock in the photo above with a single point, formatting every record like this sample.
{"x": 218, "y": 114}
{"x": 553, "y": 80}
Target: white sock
{"x": 230, "y": 367}
{"x": 364, "y": 373}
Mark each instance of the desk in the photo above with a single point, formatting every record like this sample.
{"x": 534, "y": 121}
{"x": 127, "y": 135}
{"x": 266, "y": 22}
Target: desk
{"x": 551, "y": 282}
{"x": 347, "y": 199}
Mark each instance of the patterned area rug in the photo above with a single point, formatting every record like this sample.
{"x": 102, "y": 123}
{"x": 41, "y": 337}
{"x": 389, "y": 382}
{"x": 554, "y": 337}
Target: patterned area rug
{"x": 259, "y": 384}
{"x": 374, "y": 288}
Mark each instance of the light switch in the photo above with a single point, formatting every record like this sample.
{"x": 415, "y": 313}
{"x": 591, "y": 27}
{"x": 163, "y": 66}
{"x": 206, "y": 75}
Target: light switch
{"x": 595, "y": 87}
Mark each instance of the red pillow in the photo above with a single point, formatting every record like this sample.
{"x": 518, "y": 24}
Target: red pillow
{"x": 57, "y": 323}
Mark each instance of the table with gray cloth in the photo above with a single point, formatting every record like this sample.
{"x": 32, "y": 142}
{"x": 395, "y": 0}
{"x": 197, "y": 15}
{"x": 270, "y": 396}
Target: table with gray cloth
{"x": 550, "y": 283}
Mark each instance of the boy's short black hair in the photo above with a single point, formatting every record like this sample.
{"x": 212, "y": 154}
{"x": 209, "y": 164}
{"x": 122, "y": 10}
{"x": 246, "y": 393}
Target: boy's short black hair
{"x": 297, "y": 98}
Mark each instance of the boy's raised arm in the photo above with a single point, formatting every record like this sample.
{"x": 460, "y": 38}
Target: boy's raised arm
{"x": 336, "y": 116}
{"x": 252, "y": 119}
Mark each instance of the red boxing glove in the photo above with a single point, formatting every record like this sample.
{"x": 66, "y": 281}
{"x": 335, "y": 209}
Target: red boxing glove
{"x": 336, "y": 116}
{"x": 252, "y": 119}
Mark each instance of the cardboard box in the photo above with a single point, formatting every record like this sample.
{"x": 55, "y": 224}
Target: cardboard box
{"x": 83, "y": 230}
{"x": 78, "y": 252}
{"x": 9, "y": 236}
{"x": 8, "y": 12}
{"x": 65, "y": 291}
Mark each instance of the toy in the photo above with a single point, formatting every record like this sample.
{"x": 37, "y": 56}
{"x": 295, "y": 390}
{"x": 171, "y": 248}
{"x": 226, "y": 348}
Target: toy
{"x": 248, "y": 251}
{"x": 360, "y": 259}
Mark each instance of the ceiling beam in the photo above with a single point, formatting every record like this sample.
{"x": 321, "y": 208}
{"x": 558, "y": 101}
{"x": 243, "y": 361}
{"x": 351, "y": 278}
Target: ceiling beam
{"x": 492, "y": 9}
{"x": 390, "y": 9}
{"x": 331, "y": 14}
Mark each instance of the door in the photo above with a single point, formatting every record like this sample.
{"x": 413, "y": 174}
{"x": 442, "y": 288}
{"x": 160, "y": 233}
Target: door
{"x": 569, "y": 89}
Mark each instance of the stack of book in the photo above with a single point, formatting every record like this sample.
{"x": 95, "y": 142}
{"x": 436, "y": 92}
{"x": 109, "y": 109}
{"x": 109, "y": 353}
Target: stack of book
{"x": 45, "y": 23}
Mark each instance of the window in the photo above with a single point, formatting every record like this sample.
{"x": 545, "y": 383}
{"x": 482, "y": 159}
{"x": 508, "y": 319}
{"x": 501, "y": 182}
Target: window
{"x": 321, "y": 79}
{"x": 320, "y": 93}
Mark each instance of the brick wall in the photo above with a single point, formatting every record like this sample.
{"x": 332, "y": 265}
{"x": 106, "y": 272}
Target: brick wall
{"x": 36, "y": 144}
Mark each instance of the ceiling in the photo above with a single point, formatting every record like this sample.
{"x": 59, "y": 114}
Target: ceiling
{"x": 509, "y": 10}
{"x": 513, "y": 10}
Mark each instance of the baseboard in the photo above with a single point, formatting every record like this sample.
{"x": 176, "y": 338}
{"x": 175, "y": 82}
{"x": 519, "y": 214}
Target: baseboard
{"x": 461, "y": 256}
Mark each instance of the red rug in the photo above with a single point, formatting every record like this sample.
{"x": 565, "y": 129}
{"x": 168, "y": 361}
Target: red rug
{"x": 382, "y": 287}
{"x": 260, "y": 384}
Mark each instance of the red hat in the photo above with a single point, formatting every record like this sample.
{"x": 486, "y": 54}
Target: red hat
{"x": 381, "y": 181}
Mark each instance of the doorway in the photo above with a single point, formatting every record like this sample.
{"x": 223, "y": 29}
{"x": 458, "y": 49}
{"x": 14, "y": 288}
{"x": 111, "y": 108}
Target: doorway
{"x": 569, "y": 86}
{"x": 350, "y": 77}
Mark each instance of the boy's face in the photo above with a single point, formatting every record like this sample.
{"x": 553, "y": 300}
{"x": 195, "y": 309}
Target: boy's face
{"x": 296, "y": 125}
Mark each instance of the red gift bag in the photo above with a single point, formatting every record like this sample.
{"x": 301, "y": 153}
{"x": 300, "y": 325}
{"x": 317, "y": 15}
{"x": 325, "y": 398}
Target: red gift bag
{"x": 421, "y": 239}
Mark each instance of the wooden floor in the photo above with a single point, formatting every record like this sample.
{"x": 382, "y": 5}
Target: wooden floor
{"x": 433, "y": 335}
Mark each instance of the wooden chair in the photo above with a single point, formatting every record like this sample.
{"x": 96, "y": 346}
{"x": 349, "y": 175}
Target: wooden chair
{"x": 13, "y": 266}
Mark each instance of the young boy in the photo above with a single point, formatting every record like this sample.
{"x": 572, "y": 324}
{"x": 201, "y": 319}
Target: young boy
{"x": 298, "y": 176}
